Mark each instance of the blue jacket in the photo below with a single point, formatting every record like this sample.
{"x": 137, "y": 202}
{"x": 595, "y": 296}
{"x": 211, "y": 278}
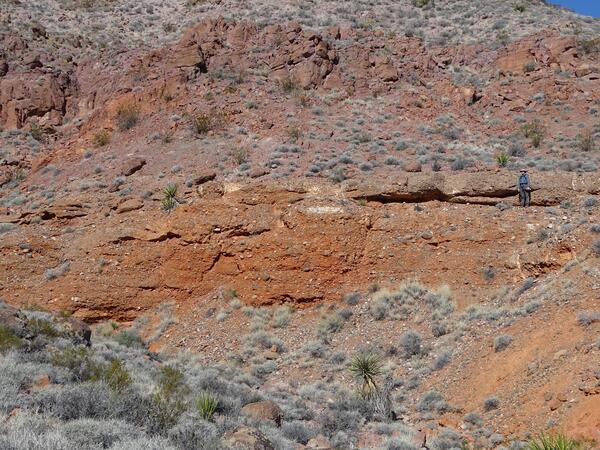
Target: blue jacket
{"x": 523, "y": 181}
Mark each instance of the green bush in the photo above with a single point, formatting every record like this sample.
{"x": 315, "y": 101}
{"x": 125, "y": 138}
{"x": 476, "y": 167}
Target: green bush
{"x": 502, "y": 159}
{"x": 169, "y": 201}
{"x": 129, "y": 338}
{"x": 420, "y": 3}
{"x": 42, "y": 326}
{"x": 207, "y": 404}
{"x": 114, "y": 375}
{"x": 553, "y": 442}
{"x": 365, "y": 368}
{"x": 8, "y": 339}
{"x": 169, "y": 397}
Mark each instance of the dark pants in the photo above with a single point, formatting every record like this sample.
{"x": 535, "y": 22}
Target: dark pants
{"x": 524, "y": 197}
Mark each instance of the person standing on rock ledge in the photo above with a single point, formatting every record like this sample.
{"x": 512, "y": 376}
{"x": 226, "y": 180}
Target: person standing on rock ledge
{"x": 524, "y": 189}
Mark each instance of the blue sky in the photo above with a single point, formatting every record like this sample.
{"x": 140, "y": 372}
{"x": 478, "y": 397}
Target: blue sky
{"x": 587, "y": 7}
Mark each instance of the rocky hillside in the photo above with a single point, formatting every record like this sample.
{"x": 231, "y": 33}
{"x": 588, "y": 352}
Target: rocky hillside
{"x": 281, "y": 189}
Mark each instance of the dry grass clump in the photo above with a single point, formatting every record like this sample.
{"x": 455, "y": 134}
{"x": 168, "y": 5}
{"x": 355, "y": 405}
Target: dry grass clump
{"x": 127, "y": 116}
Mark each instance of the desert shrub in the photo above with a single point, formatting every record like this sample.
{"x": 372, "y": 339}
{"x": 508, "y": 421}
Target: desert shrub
{"x": 534, "y": 131}
{"x": 411, "y": 344}
{"x": 55, "y": 272}
{"x": 439, "y": 329}
{"x": 78, "y": 360}
{"x": 352, "y": 298}
{"x": 91, "y": 433}
{"x": 101, "y": 138}
{"x": 295, "y": 134}
{"x": 527, "y": 284}
{"x": 77, "y": 401}
{"x": 297, "y": 431}
{"x": 589, "y": 46}
{"x": 440, "y": 302}
{"x": 129, "y": 337}
{"x": 343, "y": 415}
{"x": 289, "y": 85}
{"x": 6, "y": 227}
{"x": 586, "y": 318}
{"x": 489, "y": 273}
{"x": 553, "y": 442}
{"x": 596, "y": 248}
{"x": 433, "y": 401}
{"x": 41, "y": 326}
{"x": 263, "y": 340}
{"x": 263, "y": 369}
{"x": 595, "y": 228}
{"x": 169, "y": 398}
{"x": 8, "y": 339}
{"x": 491, "y": 403}
{"x": 391, "y": 303}
{"x": 399, "y": 443}
{"x": 207, "y": 404}
{"x": 448, "y": 439}
{"x": 330, "y": 323}
{"x": 473, "y": 418}
{"x": 442, "y": 360}
{"x": 502, "y": 342}
{"x": 316, "y": 349}
{"x": 590, "y": 202}
{"x": 585, "y": 141}
{"x": 191, "y": 433}
{"x": 529, "y": 67}
{"x": 516, "y": 150}
{"x": 281, "y": 316}
{"x": 420, "y": 3}
{"x": 127, "y": 116}
{"x": 460, "y": 163}
{"x": 114, "y": 375}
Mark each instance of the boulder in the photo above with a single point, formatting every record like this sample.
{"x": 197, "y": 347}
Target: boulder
{"x": 319, "y": 443}
{"x": 514, "y": 61}
{"x": 263, "y": 411}
{"x": 386, "y": 72}
{"x": 204, "y": 177}
{"x": 77, "y": 330}
{"x": 246, "y": 438}
{"x": 130, "y": 204}
{"x": 132, "y": 165}
{"x": 9, "y": 317}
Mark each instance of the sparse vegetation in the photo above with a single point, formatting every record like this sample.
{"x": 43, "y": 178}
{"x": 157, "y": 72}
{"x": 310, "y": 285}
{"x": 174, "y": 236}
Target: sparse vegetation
{"x": 127, "y": 117}
{"x": 586, "y": 141}
{"x": 101, "y": 138}
{"x": 502, "y": 342}
{"x": 534, "y": 131}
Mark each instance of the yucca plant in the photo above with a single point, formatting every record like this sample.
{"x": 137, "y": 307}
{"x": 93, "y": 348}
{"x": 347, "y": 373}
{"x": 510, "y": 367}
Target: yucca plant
{"x": 502, "y": 159}
{"x": 169, "y": 200}
{"x": 553, "y": 442}
{"x": 207, "y": 405}
{"x": 365, "y": 368}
